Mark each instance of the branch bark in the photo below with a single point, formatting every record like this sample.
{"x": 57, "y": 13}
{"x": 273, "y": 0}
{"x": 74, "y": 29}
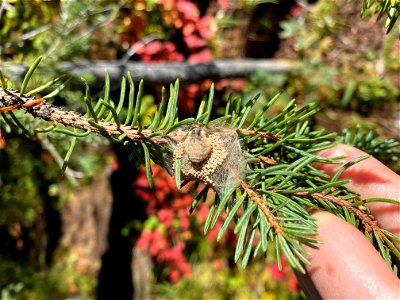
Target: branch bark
{"x": 52, "y": 113}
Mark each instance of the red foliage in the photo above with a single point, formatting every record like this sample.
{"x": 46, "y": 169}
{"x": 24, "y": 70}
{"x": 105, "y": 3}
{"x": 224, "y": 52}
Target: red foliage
{"x": 284, "y": 274}
{"x": 169, "y": 226}
{"x": 201, "y": 56}
{"x": 223, "y": 4}
{"x": 293, "y": 284}
{"x": 157, "y": 51}
{"x": 188, "y": 10}
{"x": 193, "y": 41}
{"x": 219, "y": 264}
{"x": 277, "y": 274}
{"x": 184, "y": 17}
{"x": 165, "y": 216}
{"x": 173, "y": 276}
{"x": 187, "y": 35}
{"x": 296, "y": 10}
{"x": 166, "y": 237}
{"x": 170, "y": 207}
{"x": 204, "y": 28}
{"x": 145, "y": 239}
{"x": 158, "y": 243}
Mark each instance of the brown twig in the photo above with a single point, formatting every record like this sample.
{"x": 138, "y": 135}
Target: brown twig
{"x": 368, "y": 222}
{"x": 263, "y": 206}
{"x": 53, "y": 113}
{"x": 267, "y": 160}
{"x": 56, "y": 114}
{"x": 266, "y": 135}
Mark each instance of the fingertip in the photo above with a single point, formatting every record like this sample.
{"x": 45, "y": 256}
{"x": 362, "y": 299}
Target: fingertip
{"x": 346, "y": 265}
{"x": 346, "y": 152}
{"x": 340, "y": 150}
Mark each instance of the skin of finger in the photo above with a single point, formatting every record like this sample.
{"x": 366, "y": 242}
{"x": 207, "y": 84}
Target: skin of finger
{"x": 346, "y": 265}
{"x": 371, "y": 179}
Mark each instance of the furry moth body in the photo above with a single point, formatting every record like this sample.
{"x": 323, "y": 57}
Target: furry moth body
{"x": 210, "y": 155}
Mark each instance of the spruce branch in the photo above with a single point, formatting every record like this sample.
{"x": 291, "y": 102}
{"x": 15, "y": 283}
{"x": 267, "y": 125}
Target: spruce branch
{"x": 263, "y": 207}
{"x": 259, "y": 165}
{"x": 385, "y": 150}
{"x": 51, "y": 113}
{"x": 388, "y": 8}
{"x": 359, "y": 211}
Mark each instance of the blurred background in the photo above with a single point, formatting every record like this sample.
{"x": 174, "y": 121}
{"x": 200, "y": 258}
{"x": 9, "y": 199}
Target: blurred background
{"x": 99, "y": 231}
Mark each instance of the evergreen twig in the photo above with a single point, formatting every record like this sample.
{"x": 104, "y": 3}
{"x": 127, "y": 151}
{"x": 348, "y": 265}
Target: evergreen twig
{"x": 271, "y": 202}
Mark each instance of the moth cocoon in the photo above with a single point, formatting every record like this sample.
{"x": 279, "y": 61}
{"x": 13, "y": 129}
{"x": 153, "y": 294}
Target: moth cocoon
{"x": 212, "y": 155}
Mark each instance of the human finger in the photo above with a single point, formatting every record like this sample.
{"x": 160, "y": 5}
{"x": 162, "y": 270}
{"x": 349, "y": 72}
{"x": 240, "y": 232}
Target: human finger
{"x": 346, "y": 265}
{"x": 371, "y": 179}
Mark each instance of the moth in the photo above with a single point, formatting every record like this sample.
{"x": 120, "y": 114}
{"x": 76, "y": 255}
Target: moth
{"x": 197, "y": 145}
{"x": 211, "y": 155}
